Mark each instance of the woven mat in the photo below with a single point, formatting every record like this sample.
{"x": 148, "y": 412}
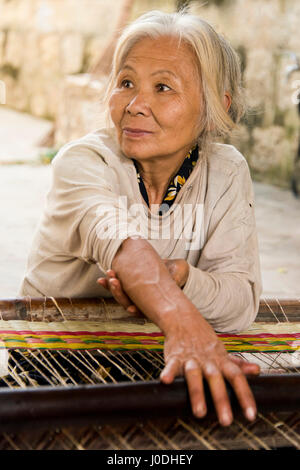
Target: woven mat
{"x": 71, "y": 335}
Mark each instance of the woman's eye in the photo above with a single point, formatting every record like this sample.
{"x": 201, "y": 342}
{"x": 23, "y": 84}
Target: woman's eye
{"x": 126, "y": 84}
{"x": 162, "y": 87}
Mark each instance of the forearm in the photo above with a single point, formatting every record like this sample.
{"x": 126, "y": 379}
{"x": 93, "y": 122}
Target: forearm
{"x": 191, "y": 347}
{"x": 147, "y": 281}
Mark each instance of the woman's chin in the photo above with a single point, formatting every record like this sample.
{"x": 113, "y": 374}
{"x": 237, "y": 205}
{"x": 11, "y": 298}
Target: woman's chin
{"x": 136, "y": 151}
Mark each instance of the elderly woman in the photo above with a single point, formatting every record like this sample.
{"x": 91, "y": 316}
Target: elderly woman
{"x": 155, "y": 214}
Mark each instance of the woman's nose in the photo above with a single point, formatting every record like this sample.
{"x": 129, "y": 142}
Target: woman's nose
{"x": 139, "y": 104}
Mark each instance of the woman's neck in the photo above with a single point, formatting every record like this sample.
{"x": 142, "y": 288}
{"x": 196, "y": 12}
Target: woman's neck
{"x": 157, "y": 174}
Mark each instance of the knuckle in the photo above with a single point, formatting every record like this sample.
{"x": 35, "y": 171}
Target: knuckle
{"x": 210, "y": 369}
{"x": 173, "y": 357}
{"x": 231, "y": 369}
{"x": 191, "y": 365}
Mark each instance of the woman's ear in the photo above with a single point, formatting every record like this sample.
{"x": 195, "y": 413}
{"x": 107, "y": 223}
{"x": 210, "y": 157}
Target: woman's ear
{"x": 227, "y": 101}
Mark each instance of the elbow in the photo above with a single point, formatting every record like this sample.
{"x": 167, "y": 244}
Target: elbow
{"x": 243, "y": 309}
{"x": 250, "y": 310}
{"x": 246, "y": 316}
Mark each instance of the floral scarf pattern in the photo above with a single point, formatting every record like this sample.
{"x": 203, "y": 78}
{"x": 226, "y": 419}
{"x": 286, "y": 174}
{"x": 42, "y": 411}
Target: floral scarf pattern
{"x": 176, "y": 182}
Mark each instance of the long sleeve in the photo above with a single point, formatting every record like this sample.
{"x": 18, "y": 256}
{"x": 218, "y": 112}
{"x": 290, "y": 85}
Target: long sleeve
{"x": 225, "y": 286}
{"x": 86, "y": 207}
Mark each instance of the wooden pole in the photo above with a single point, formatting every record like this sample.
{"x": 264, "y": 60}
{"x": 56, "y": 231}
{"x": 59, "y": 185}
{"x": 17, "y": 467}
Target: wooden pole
{"x": 97, "y": 308}
{"x": 52, "y": 407}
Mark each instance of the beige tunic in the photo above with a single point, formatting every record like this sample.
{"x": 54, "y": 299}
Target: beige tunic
{"x": 94, "y": 203}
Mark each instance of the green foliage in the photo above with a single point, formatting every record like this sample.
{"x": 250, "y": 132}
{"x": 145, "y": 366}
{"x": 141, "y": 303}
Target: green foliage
{"x": 47, "y": 156}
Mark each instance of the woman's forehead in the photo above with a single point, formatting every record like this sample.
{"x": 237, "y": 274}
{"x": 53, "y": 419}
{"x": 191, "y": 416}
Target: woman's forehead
{"x": 164, "y": 54}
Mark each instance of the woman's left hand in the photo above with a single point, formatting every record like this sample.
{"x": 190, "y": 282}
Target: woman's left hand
{"x": 178, "y": 268}
{"x": 112, "y": 284}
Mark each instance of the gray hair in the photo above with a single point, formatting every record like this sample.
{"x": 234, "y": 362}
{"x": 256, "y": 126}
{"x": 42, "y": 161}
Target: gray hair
{"x": 219, "y": 66}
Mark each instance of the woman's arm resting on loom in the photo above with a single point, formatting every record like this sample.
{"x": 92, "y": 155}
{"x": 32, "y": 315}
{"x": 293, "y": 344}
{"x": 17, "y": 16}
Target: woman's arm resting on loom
{"x": 191, "y": 346}
{"x": 178, "y": 269}
{"x": 225, "y": 284}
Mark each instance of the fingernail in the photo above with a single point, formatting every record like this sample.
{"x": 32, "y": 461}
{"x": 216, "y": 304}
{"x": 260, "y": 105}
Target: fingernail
{"x": 200, "y": 411}
{"x": 250, "y": 413}
{"x": 131, "y": 309}
{"x": 165, "y": 377}
{"x": 226, "y": 419}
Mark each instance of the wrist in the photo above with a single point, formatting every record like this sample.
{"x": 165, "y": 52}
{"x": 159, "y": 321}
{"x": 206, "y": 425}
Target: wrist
{"x": 177, "y": 314}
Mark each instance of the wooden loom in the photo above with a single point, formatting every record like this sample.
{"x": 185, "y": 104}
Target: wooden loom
{"x": 107, "y": 395}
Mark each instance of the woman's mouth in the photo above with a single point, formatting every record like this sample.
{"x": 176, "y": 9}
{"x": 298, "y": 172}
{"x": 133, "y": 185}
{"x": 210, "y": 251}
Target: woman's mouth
{"x": 135, "y": 133}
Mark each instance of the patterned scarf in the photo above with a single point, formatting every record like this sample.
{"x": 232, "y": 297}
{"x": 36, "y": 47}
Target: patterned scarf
{"x": 176, "y": 182}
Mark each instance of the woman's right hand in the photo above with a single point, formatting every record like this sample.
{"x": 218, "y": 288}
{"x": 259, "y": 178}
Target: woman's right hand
{"x": 193, "y": 349}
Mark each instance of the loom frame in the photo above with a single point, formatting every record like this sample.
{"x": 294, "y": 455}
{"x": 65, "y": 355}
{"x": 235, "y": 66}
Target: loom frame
{"x": 32, "y": 407}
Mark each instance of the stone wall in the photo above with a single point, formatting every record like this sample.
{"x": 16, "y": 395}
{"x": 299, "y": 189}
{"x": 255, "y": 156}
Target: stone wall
{"x": 47, "y": 47}
{"x": 264, "y": 32}
{"x": 43, "y": 41}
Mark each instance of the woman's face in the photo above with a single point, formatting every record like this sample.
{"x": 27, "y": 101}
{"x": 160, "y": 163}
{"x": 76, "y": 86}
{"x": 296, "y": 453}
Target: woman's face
{"x": 157, "y": 103}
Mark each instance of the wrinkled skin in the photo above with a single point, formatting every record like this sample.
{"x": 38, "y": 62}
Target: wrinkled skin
{"x": 191, "y": 348}
{"x": 178, "y": 269}
{"x": 156, "y": 108}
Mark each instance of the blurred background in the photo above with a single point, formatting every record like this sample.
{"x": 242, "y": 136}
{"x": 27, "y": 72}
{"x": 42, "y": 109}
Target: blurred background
{"x": 55, "y": 57}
